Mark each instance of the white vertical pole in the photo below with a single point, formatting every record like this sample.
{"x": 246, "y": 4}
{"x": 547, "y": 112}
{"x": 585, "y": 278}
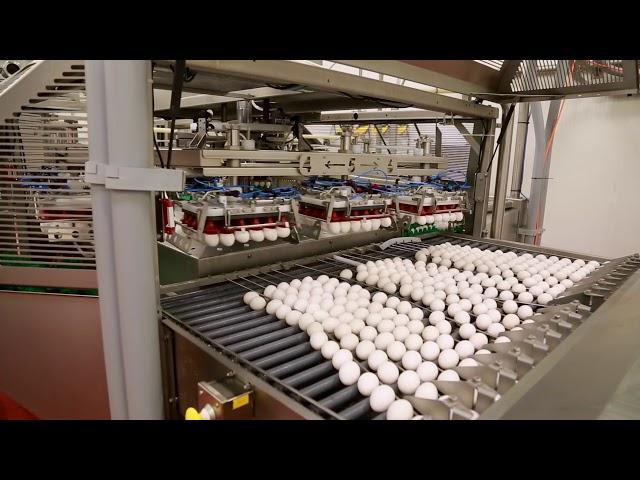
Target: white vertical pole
{"x": 129, "y": 123}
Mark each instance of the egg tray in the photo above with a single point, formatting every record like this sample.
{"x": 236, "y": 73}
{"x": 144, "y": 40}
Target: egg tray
{"x": 282, "y": 356}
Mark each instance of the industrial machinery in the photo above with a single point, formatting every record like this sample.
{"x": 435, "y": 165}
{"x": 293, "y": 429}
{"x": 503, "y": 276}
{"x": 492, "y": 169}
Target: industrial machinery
{"x": 262, "y": 181}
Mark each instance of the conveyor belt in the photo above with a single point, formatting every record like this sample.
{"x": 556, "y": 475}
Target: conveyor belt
{"x": 282, "y": 354}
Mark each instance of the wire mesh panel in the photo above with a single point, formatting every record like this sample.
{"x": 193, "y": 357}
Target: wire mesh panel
{"x": 45, "y": 205}
{"x": 572, "y": 76}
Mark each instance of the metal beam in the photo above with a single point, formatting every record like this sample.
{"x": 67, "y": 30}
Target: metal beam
{"x": 502, "y": 174}
{"x": 417, "y": 74}
{"x": 472, "y": 140}
{"x": 478, "y": 177}
{"x": 508, "y": 70}
{"x": 344, "y": 83}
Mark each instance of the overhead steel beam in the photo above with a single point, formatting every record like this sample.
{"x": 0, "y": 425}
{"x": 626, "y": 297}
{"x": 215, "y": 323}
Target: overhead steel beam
{"x": 507, "y": 72}
{"x": 344, "y": 83}
{"x": 419, "y": 74}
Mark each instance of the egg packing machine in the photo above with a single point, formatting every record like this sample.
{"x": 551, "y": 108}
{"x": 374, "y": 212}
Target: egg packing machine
{"x": 220, "y": 223}
{"x": 211, "y": 334}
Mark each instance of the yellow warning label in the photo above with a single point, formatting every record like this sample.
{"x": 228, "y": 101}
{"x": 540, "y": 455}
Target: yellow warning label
{"x": 240, "y": 401}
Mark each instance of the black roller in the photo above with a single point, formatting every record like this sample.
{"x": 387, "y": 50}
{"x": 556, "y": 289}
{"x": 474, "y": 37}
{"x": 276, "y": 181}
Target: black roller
{"x": 242, "y": 308}
{"x": 322, "y": 387}
{"x": 239, "y": 326}
{"x": 278, "y": 358}
{"x": 243, "y": 317}
{"x": 307, "y": 376}
{"x": 340, "y": 398}
{"x": 262, "y": 339}
{"x": 276, "y": 346}
{"x": 296, "y": 365}
{"x": 215, "y": 312}
{"x": 194, "y": 316}
{"x": 249, "y": 335}
{"x": 359, "y": 410}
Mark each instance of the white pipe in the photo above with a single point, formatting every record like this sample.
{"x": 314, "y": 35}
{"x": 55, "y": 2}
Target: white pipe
{"x": 130, "y": 143}
{"x": 104, "y": 251}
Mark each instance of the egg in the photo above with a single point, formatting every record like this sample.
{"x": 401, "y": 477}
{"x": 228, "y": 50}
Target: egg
{"x": 227, "y": 239}
{"x": 429, "y": 350}
{"x": 465, "y": 348}
{"x": 347, "y": 274}
{"x": 525, "y": 297}
{"x": 377, "y": 358}
{"x": 413, "y": 341}
{"x": 544, "y": 298}
{"x": 448, "y": 358}
{"x": 478, "y": 340}
{"x": 435, "y": 317}
{"x": 392, "y": 302}
{"x": 427, "y": 391}
{"x": 524, "y": 312}
{"x": 329, "y": 349}
{"x": 400, "y": 333}
{"x": 509, "y": 306}
{"x": 381, "y": 398}
{"x": 349, "y": 341}
{"x": 383, "y": 340}
{"x": 449, "y": 376}
{"x": 368, "y": 333}
{"x": 466, "y": 330}
{"x": 349, "y": 373}
{"x": 495, "y": 329}
{"x": 342, "y": 330}
{"x": 341, "y": 357}
{"x": 305, "y": 320}
{"x": 318, "y": 339}
{"x": 430, "y": 333}
{"x": 495, "y": 315}
{"x": 367, "y": 383}
{"x": 293, "y": 317}
{"x": 462, "y": 317}
{"x": 249, "y": 296}
{"x": 445, "y": 341}
{"x": 437, "y": 305}
{"x": 411, "y": 360}
{"x": 408, "y": 382}
{"x": 415, "y": 314}
{"x": 443, "y": 326}
{"x": 242, "y": 236}
{"x": 395, "y": 350}
{"x": 212, "y": 240}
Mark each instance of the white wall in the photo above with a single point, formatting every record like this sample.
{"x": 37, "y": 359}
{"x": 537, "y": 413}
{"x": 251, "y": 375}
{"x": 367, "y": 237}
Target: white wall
{"x": 593, "y": 201}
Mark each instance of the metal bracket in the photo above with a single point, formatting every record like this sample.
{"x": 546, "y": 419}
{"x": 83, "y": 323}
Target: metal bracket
{"x": 530, "y": 232}
{"x": 134, "y": 179}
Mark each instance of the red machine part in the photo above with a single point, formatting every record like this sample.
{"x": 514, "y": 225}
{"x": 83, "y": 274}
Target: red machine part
{"x": 168, "y": 221}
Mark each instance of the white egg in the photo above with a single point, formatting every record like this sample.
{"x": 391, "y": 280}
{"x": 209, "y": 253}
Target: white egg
{"x": 381, "y": 398}
{"x": 502, "y": 340}
{"x": 341, "y": 357}
{"x": 305, "y": 320}
{"x": 449, "y": 376}
{"x": 242, "y": 236}
{"x": 435, "y": 317}
{"x": 293, "y": 317}
{"x": 462, "y": 317}
{"x": 509, "y": 306}
{"x": 544, "y": 298}
{"x": 430, "y": 333}
{"x": 395, "y": 350}
{"x": 318, "y": 339}
{"x": 349, "y": 341}
{"x": 408, "y": 382}
{"x": 413, "y": 341}
{"x": 415, "y": 326}
{"x": 258, "y": 303}
{"x": 400, "y": 333}
{"x": 464, "y": 348}
{"x": 348, "y": 274}
{"x": 349, "y": 373}
{"x": 427, "y": 391}
{"x": 448, "y": 358}
{"x": 478, "y": 340}
{"x": 430, "y": 350}
{"x": 388, "y": 373}
{"x": 377, "y": 358}
{"x": 444, "y": 327}
{"x": 495, "y": 315}
{"x": 227, "y": 239}
{"x": 466, "y": 330}
{"x": 415, "y": 314}
{"x": 367, "y": 383}
{"x": 329, "y": 349}
{"x": 525, "y": 297}
{"x": 524, "y": 312}
{"x": 411, "y": 360}
{"x": 495, "y": 329}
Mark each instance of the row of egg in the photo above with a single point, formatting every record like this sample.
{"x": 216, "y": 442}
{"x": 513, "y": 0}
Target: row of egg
{"x": 542, "y": 278}
{"x": 439, "y": 218}
{"x": 438, "y": 290}
{"x": 385, "y": 336}
{"x": 244, "y": 236}
{"x": 355, "y": 226}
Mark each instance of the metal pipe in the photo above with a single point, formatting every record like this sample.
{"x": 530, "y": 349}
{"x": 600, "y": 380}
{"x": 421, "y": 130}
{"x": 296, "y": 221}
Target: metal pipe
{"x": 104, "y": 249}
{"x": 502, "y": 174}
{"x": 129, "y": 141}
{"x": 522, "y": 130}
{"x": 541, "y": 167}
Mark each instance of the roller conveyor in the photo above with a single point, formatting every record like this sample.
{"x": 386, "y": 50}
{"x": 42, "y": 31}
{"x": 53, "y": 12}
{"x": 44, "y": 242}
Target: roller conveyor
{"x": 280, "y": 354}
